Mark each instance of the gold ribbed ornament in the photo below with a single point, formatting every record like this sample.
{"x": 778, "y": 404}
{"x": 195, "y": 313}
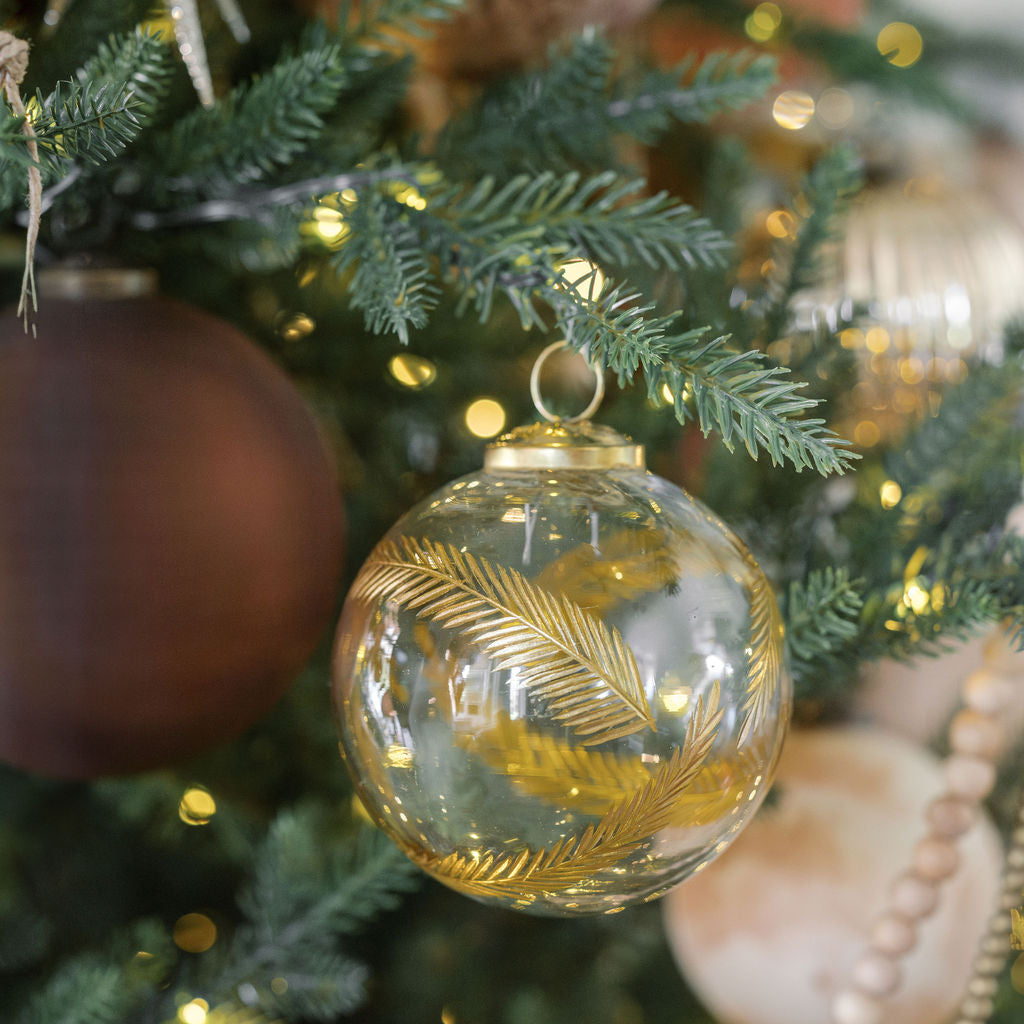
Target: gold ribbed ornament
{"x": 559, "y": 680}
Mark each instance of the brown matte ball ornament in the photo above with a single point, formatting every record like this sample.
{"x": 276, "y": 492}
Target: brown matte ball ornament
{"x": 170, "y": 535}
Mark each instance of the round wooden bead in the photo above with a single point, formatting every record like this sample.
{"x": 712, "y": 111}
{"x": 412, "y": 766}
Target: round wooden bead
{"x": 935, "y": 858}
{"x": 853, "y": 1007}
{"x": 987, "y": 692}
{"x": 976, "y": 734}
{"x": 982, "y": 987}
{"x": 949, "y": 816}
{"x": 893, "y": 934}
{"x": 978, "y": 1008}
{"x": 914, "y": 896}
{"x": 876, "y": 974}
{"x": 969, "y": 776}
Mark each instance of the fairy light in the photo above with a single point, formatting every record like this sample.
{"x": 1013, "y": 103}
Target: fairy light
{"x": 194, "y": 933}
{"x": 584, "y": 276}
{"x": 197, "y": 806}
{"x": 485, "y": 417}
{"x": 780, "y": 224}
{"x": 877, "y": 340}
{"x": 194, "y": 1011}
{"x": 916, "y": 598}
{"x": 763, "y": 22}
{"x": 670, "y": 396}
{"x": 866, "y": 434}
{"x": 793, "y": 109}
{"x": 911, "y": 370}
{"x": 890, "y": 494}
{"x": 329, "y": 224}
{"x": 296, "y": 327}
{"x": 409, "y": 195}
{"x": 900, "y": 44}
{"x": 675, "y": 701}
{"x": 835, "y": 108}
{"x": 412, "y": 371}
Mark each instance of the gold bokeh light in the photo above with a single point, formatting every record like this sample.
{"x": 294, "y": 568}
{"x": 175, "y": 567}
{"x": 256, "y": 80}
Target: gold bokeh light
{"x": 793, "y": 109}
{"x": 194, "y": 933}
{"x": 890, "y": 494}
{"x": 412, "y": 371}
{"x": 584, "y": 276}
{"x": 485, "y": 417}
{"x": 763, "y": 22}
{"x": 194, "y": 1011}
{"x": 197, "y": 806}
{"x": 900, "y": 44}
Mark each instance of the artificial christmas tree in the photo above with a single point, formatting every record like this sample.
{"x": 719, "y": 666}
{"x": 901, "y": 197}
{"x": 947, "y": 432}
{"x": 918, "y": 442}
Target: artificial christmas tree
{"x": 406, "y": 271}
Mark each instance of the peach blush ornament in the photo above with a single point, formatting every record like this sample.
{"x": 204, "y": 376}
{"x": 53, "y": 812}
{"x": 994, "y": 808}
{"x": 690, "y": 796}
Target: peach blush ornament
{"x": 916, "y": 698}
{"x": 769, "y": 933}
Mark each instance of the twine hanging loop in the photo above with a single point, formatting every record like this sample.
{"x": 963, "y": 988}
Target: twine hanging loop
{"x": 13, "y": 65}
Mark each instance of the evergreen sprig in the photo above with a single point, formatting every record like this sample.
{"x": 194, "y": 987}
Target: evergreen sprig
{"x": 381, "y": 19}
{"x": 90, "y": 119}
{"x": 259, "y": 128}
{"x": 741, "y": 395}
{"x": 823, "y": 196}
{"x": 692, "y": 92}
{"x": 822, "y": 613}
{"x": 138, "y": 60}
{"x": 391, "y": 278}
{"x": 85, "y": 124}
{"x": 573, "y": 107}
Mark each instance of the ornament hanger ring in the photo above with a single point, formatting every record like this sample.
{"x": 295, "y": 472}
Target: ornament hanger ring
{"x": 538, "y": 402}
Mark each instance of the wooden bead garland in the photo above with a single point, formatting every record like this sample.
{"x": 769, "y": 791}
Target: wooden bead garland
{"x": 976, "y": 737}
{"x": 977, "y": 1004}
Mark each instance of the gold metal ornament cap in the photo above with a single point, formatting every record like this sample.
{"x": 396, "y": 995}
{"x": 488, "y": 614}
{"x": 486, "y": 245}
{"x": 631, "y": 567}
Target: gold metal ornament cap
{"x": 564, "y": 445}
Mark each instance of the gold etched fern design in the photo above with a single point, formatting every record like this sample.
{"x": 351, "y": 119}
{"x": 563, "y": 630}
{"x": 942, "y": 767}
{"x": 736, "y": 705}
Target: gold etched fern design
{"x": 582, "y": 668}
{"x": 626, "y": 827}
{"x": 588, "y": 781}
{"x": 765, "y": 660}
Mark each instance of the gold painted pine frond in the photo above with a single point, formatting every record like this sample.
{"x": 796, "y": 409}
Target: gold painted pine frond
{"x": 553, "y": 769}
{"x": 631, "y": 563}
{"x": 588, "y": 781}
{"x": 765, "y": 662}
{"x": 584, "y": 670}
{"x": 1016, "y": 929}
{"x": 625, "y": 827}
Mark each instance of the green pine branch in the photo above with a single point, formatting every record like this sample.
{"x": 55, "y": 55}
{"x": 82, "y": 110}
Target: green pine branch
{"x": 822, "y": 613}
{"x": 693, "y": 92}
{"x": 391, "y": 280}
{"x": 92, "y": 118}
{"x": 138, "y": 60}
{"x": 382, "y": 19}
{"x": 573, "y": 107}
{"x": 259, "y": 128}
{"x": 823, "y": 196}
{"x": 740, "y": 395}
{"x": 103, "y": 986}
{"x": 306, "y": 892}
{"x": 84, "y": 124}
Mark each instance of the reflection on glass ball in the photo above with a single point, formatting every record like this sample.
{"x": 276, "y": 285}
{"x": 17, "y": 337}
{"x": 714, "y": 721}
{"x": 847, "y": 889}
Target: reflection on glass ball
{"x": 559, "y": 681}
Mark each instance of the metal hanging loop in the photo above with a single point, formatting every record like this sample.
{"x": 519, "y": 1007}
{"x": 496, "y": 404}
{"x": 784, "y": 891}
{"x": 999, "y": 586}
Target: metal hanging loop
{"x": 538, "y": 401}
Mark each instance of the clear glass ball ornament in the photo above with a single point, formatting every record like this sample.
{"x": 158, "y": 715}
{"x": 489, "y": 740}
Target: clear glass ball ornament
{"x": 560, "y": 681}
